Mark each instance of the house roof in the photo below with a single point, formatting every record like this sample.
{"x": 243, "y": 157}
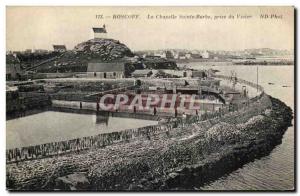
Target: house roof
{"x": 106, "y": 67}
{"x": 99, "y": 30}
{"x": 59, "y": 47}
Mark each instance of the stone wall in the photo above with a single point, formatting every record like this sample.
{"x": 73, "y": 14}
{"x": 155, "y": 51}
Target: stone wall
{"x": 75, "y": 145}
{"x": 256, "y": 106}
{"x": 160, "y": 111}
{"x": 27, "y": 101}
{"x": 101, "y": 140}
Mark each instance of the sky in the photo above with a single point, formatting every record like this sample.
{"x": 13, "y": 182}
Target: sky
{"x": 41, "y": 27}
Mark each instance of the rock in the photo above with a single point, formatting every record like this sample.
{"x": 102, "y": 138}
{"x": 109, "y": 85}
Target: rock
{"x": 136, "y": 187}
{"x": 75, "y": 181}
{"x": 125, "y": 161}
{"x": 173, "y": 179}
{"x": 173, "y": 175}
{"x": 105, "y": 49}
{"x": 143, "y": 181}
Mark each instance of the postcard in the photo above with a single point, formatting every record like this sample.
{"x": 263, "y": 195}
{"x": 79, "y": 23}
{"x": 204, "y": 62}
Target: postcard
{"x": 150, "y": 98}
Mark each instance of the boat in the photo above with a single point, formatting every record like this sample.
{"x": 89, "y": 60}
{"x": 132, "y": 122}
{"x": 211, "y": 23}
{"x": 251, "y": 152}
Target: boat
{"x": 270, "y": 83}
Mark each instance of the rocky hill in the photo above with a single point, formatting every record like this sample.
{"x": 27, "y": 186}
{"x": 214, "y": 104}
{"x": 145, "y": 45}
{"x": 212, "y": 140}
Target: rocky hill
{"x": 99, "y": 49}
{"x": 105, "y": 49}
{"x": 76, "y": 60}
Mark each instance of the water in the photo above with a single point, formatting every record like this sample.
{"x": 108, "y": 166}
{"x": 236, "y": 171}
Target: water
{"x": 275, "y": 171}
{"x": 53, "y": 126}
{"x": 272, "y": 172}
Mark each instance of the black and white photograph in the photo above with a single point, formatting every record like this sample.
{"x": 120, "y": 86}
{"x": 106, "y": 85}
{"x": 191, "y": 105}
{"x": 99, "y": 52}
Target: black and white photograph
{"x": 150, "y": 98}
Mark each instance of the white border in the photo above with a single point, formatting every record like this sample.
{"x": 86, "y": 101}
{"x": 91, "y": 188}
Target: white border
{"x": 151, "y": 2}
{"x": 4, "y": 3}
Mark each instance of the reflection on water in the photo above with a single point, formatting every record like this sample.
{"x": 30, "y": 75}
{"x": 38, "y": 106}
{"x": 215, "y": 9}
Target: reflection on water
{"x": 102, "y": 118}
{"x": 275, "y": 171}
{"x": 53, "y": 126}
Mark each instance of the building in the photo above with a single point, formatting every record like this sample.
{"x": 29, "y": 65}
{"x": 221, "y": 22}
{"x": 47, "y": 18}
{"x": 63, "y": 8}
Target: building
{"x": 169, "y": 54}
{"x": 196, "y": 56}
{"x": 205, "y": 55}
{"x": 188, "y": 55}
{"x": 106, "y": 70}
{"x": 160, "y": 54}
{"x": 13, "y": 68}
{"x": 100, "y": 32}
{"x": 180, "y": 55}
{"x": 28, "y": 51}
{"x": 199, "y": 74}
{"x": 40, "y": 51}
{"x": 143, "y": 73}
{"x": 59, "y": 48}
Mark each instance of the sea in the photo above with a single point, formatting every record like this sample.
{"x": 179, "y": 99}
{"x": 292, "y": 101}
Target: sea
{"x": 277, "y": 170}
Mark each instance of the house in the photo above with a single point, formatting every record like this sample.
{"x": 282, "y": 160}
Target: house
{"x": 100, "y": 32}
{"x": 28, "y": 51}
{"x": 13, "y": 68}
{"x": 59, "y": 48}
{"x": 40, "y": 51}
{"x": 180, "y": 55}
{"x": 169, "y": 55}
{"x": 205, "y": 55}
{"x": 160, "y": 54}
{"x": 196, "y": 56}
{"x": 111, "y": 70}
{"x": 188, "y": 55}
{"x": 199, "y": 74}
{"x": 142, "y": 73}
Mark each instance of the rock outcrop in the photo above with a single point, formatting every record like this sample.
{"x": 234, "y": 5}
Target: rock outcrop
{"x": 75, "y": 181}
{"x": 76, "y": 60}
{"x": 104, "y": 49}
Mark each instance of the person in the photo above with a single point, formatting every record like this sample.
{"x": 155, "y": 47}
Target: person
{"x": 183, "y": 119}
{"x": 154, "y": 111}
{"x": 175, "y": 112}
{"x": 98, "y": 107}
{"x": 80, "y": 105}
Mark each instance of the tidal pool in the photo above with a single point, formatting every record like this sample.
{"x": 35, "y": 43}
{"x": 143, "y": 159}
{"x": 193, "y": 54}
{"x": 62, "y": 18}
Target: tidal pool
{"x": 50, "y": 126}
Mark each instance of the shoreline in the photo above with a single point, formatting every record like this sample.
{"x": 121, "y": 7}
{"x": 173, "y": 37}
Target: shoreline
{"x": 226, "y": 62}
{"x": 219, "y": 163}
{"x": 232, "y": 158}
